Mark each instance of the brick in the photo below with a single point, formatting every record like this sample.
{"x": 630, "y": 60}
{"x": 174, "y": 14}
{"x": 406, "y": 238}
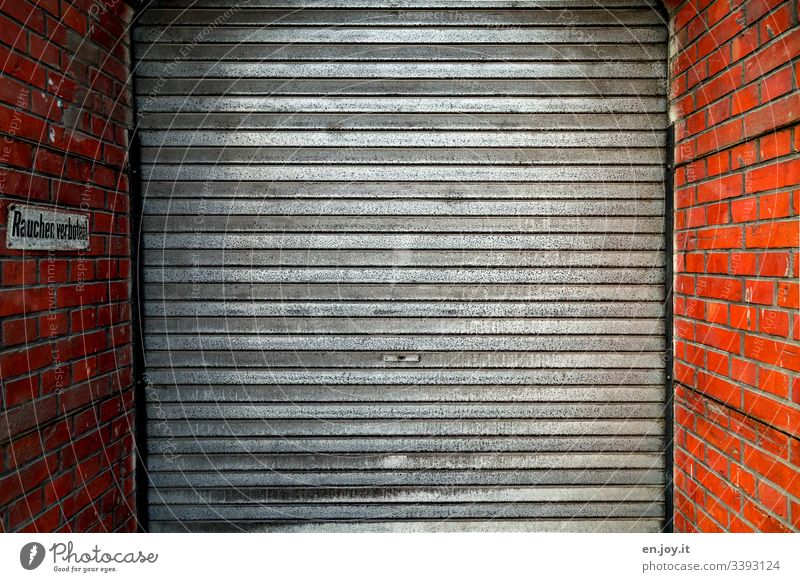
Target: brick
{"x": 743, "y": 317}
{"x": 774, "y": 382}
{"x": 757, "y": 291}
{"x": 717, "y": 363}
{"x": 19, "y": 331}
{"x": 743, "y": 371}
{"x": 718, "y": 213}
{"x": 696, "y": 217}
{"x": 795, "y": 515}
{"x": 755, "y": 9}
{"x": 774, "y": 322}
{"x": 745, "y": 154}
{"x": 744, "y": 99}
{"x": 24, "y": 479}
{"x": 743, "y": 264}
{"x": 720, "y": 137}
{"x": 24, "y": 509}
{"x": 771, "y": 235}
{"x": 772, "y": 176}
{"x": 776, "y": 113}
{"x": 719, "y": 163}
{"x": 78, "y": 295}
{"x": 41, "y": 50}
{"x": 776, "y": 84}
{"x": 789, "y": 294}
{"x": 783, "y": 355}
{"x": 19, "y": 272}
{"x": 772, "y": 56}
{"x": 15, "y": 152}
{"x": 49, "y": 162}
{"x": 781, "y": 474}
{"x": 720, "y": 238}
{"x": 26, "y": 186}
{"x": 717, "y": 263}
{"x": 761, "y": 519}
{"x": 775, "y": 24}
{"x": 744, "y": 44}
{"x": 717, "y": 313}
{"x": 772, "y": 206}
{"x": 22, "y": 68}
{"x": 684, "y": 197}
{"x": 721, "y": 188}
{"x": 719, "y": 288}
{"x": 12, "y": 34}
{"x": 720, "y": 338}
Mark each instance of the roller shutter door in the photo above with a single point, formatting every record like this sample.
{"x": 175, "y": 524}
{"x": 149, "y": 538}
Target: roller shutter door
{"x": 404, "y": 267}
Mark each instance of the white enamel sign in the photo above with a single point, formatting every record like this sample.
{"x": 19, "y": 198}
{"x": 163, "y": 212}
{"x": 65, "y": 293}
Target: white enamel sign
{"x": 34, "y": 228}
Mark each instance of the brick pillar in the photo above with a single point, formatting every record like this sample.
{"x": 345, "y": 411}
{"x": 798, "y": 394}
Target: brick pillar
{"x": 66, "y": 424}
{"x": 736, "y": 105}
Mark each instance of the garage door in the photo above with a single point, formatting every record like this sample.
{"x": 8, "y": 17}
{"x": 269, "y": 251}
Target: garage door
{"x": 403, "y": 267}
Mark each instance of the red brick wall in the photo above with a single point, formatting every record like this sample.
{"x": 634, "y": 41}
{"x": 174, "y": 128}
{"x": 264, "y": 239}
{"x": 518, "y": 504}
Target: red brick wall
{"x": 66, "y": 433}
{"x": 736, "y": 105}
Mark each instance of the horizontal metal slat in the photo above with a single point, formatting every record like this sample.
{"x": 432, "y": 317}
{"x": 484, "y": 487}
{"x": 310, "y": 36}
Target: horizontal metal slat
{"x": 344, "y": 16}
{"x": 439, "y": 192}
{"x": 404, "y": 292}
{"x": 416, "y": 4}
{"x": 574, "y": 525}
{"x": 401, "y": 87}
{"x": 234, "y": 312}
{"x": 404, "y": 35}
{"x": 405, "y": 325}
{"x": 411, "y": 207}
{"x": 401, "y": 155}
{"x": 318, "y": 495}
{"x": 408, "y": 173}
{"x": 333, "y": 104}
{"x": 539, "y": 477}
{"x": 395, "y": 411}
{"x": 626, "y": 341}
{"x": 245, "y": 120}
{"x": 241, "y": 359}
{"x": 415, "y": 462}
{"x": 421, "y": 393}
{"x": 318, "y": 225}
{"x": 405, "y": 275}
{"x": 406, "y": 70}
{"x": 407, "y": 427}
{"x": 405, "y": 444}
{"x": 407, "y": 241}
{"x": 264, "y": 512}
{"x": 407, "y": 376}
{"x": 392, "y": 52}
{"x": 162, "y": 258}
{"x": 416, "y": 139}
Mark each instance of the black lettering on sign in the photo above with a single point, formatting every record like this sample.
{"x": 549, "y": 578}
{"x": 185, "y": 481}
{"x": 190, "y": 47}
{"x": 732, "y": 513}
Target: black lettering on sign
{"x": 40, "y": 229}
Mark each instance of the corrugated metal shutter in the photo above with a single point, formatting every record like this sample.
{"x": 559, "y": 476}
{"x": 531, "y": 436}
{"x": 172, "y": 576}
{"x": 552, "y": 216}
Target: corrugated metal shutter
{"x": 404, "y": 267}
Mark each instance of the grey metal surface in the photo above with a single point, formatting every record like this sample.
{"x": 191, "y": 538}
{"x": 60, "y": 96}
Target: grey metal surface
{"x": 421, "y": 105}
{"x": 638, "y": 525}
{"x": 403, "y": 264}
{"x": 245, "y": 120}
{"x": 416, "y": 4}
{"x": 342, "y": 16}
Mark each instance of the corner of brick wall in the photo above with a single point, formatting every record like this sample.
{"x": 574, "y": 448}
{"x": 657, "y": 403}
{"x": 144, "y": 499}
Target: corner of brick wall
{"x": 66, "y": 422}
{"x": 735, "y": 103}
